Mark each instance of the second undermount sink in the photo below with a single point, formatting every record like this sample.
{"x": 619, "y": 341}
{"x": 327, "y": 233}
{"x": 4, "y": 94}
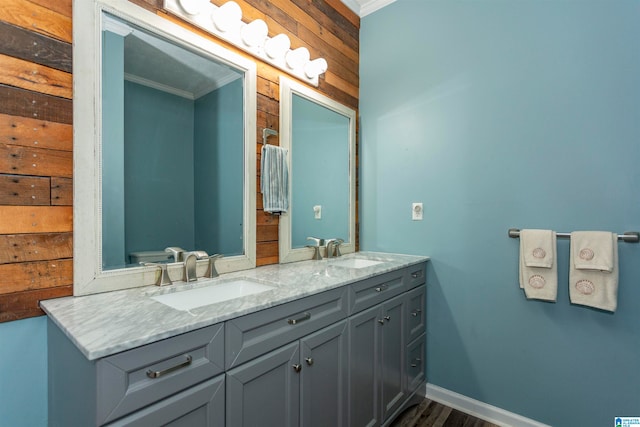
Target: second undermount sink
{"x": 355, "y": 263}
{"x": 201, "y": 296}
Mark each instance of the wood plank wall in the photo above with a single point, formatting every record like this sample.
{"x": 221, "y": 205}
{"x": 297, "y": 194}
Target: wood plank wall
{"x": 36, "y": 165}
{"x": 36, "y": 168}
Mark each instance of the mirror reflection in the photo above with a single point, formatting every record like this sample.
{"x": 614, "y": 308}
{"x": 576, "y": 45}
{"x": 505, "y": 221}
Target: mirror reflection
{"x": 320, "y": 136}
{"x": 172, "y": 149}
{"x": 319, "y": 172}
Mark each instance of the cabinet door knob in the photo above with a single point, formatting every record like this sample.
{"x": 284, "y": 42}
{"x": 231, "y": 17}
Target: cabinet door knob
{"x": 309, "y": 361}
{"x": 297, "y": 367}
{"x": 415, "y": 312}
{"x": 381, "y": 321}
{"x": 382, "y": 288}
{"x": 387, "y": 318}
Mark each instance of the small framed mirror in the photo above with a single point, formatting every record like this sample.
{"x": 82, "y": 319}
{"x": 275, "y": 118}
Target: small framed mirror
{"x": 319, "y": 134}
{"x": 164, "y": 155}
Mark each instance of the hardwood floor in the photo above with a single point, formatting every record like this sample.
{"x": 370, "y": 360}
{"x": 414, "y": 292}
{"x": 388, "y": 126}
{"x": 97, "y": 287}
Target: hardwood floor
{"x": 433, "y": 414}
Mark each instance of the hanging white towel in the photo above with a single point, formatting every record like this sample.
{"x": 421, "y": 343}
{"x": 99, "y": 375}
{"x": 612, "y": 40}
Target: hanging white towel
{"x": 593, "y": 270}
{"x": 538, "y": 264}
{"x": 274, "y": 180}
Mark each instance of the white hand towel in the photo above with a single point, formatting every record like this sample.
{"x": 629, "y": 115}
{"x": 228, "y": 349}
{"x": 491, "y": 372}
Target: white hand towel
{"x": 274, "y": 180}
{"x": 538, "y": 264}
{"x": 593, "y": 270}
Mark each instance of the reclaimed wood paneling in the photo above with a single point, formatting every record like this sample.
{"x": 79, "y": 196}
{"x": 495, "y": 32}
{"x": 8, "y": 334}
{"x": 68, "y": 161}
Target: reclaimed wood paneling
{"x": 63, "y": 7}
{"x": 61, "y": 191}
{"x": 18, "y": 160}
{"x": 20, "y": 305}
{"x": 24, "y": 44}
{"x": 24, "y": 190}
{"x": 20, "y": 102}
{"x": 28, "y": 132}
{"x": 35, "y": 219}
{"x": 37, "y": 18}
{"x": 27, "y": 276}
{"x": 16, "y": 248}
{"x": 35, "y": 77}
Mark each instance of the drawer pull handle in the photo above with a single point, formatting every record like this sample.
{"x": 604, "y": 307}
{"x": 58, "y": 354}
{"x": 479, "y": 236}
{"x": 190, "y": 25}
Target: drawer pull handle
{"x": 309, "y": 361}
{"x": 297, "y": 367}
{"x": 305, "y": 316}
{"x": 415, "y": 312}
{"x": 416, "y": 274}
{"x": 158, "y": 374}
{"x": 381, "y": 288}
{"x": 415, "y": 364}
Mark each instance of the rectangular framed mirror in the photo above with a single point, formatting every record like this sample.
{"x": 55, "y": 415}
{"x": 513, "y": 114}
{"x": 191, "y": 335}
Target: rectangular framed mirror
{"x": 319, "y": 134}
{"x": 164, "y": 152}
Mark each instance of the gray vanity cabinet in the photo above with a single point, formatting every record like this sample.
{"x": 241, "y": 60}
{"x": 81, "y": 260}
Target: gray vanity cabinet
{"x": 300, "y": 384}
{"x": 377, "y": 362}
{"x": 170, "y": 381}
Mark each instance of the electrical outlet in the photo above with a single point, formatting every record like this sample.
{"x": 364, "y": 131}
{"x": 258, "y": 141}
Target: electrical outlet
{"x": 317, "y": 211}
{"x": 416, "y": 211}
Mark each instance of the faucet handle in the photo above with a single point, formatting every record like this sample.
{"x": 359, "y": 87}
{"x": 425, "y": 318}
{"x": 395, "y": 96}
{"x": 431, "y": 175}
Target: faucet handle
{"x": 164, "y": 278}
{"x": 337, "y": 246}
{"x": 211, "y": 271}
{"x": 176, "y": 252}
{"x": 318, "y": 242}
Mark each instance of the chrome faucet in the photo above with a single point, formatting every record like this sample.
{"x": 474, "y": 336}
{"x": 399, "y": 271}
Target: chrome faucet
{"x": 333, "y": 247}
{"x": 316, "y": 247}
{"x": 190, "y": 264}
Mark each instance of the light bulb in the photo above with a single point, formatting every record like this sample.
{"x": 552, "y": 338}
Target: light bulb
{"x": 277, "y": 46}
{"x": 226, "y": 16}
{"x": 193, "y": 7}
{"x": 316, "y": 67}
{"x": 254, "y": 33}
{"x": 297, "y": 58}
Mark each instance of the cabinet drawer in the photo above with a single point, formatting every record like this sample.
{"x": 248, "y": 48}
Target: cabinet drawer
{"x": 416, "y": 275}
{"x": 416, "y": 354}
{"x": 255, "y": 334}
{"x": 375, "y": 290}
{"x": 202, "y": 405}
{"x": 136, "y": 378}
{"x": 415, "y": 313}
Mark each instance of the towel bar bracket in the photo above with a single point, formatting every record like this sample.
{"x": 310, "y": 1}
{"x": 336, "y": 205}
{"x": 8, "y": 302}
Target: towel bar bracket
{"x": 627, "y": 236}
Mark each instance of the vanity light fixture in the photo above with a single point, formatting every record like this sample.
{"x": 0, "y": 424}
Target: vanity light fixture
{"x": 226, "y": 23}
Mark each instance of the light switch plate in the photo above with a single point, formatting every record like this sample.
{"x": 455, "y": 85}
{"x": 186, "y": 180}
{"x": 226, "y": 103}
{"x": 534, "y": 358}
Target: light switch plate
{"x": 416, "y": 211}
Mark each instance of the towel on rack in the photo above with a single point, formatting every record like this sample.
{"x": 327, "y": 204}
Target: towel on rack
{"x": 274, "y": 179}
{"x": 593, "y": 269}
{"x": 538, "y": 264}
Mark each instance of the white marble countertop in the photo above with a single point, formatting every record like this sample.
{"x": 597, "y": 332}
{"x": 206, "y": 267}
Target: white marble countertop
{"x": 111, "y": 322}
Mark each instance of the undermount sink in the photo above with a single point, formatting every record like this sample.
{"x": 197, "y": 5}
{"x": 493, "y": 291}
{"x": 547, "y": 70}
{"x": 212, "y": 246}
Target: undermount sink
{"x": 355, "y": 263}
{"x": 198, "y": 297}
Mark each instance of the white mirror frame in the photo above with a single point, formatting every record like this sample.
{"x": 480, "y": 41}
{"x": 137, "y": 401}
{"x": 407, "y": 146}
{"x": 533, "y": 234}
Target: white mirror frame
{"x": 88, "y": 276}
{"x": 289, "y": 87}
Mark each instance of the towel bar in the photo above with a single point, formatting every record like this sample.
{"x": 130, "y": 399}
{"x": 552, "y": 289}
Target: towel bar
{"x": 627, "y": 236}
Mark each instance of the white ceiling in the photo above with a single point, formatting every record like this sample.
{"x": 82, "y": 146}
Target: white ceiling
{"x": 365, "y": 7}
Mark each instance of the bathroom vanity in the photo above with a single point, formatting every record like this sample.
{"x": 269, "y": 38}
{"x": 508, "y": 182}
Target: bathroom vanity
{"x": 337, "y": 342}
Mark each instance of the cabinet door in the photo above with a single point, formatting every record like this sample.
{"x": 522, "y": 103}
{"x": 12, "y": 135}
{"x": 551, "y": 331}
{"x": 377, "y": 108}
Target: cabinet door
{"x": 323, "y": 377}
{"x": 364, "y": 368}
{"x": 266, "y": 390}
{"x": 392, "y": 351}
{"x": 199, "y": 406}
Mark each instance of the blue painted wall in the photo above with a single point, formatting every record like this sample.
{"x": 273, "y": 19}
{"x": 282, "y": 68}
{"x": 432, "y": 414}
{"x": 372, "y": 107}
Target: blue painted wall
{"x": 219, "y": 170}
{"x": 319, "y": 165}
{"x": 23, "y": 373}
{"x": 158, "y": 169}
{"x": 499, "y": 114}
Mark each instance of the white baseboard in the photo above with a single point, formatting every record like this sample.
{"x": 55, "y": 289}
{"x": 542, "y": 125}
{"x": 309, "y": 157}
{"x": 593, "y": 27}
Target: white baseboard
{"x": 478, "y": 409}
